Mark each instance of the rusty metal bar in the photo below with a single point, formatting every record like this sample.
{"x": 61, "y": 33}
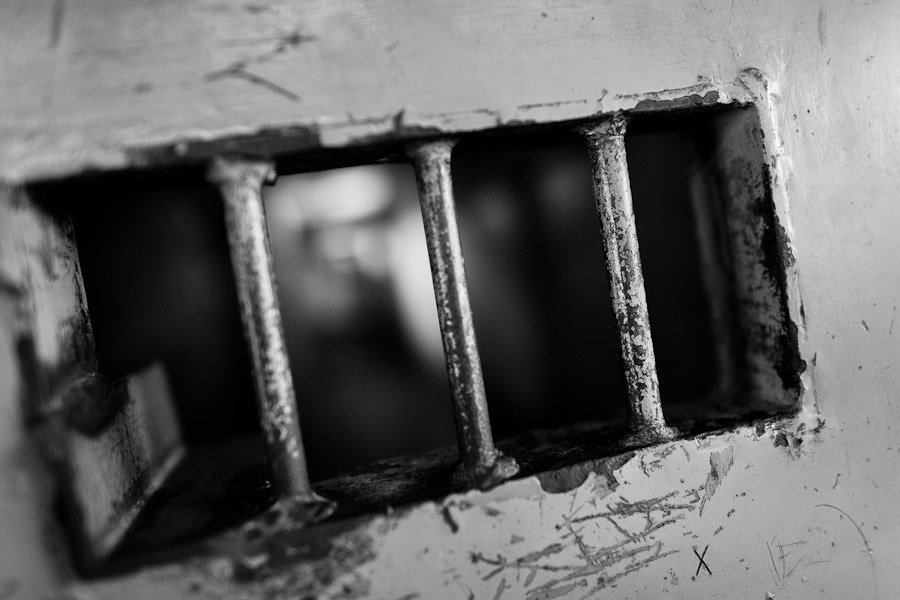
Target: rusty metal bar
{"x": 612, "y": 191}
{"x": 240, "y": 182}
{"x": 481, "y": 464}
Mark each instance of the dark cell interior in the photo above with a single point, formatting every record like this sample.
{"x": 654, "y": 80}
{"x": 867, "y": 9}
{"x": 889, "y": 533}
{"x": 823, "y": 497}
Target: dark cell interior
{"x": 358, "y": 307}
{"x": 359, "y": 315}
{"x": 159, "y": 287}
{"x": 659, "y": 165}
{"x": 537, "y": 279}
{"x": 357, "y": 303}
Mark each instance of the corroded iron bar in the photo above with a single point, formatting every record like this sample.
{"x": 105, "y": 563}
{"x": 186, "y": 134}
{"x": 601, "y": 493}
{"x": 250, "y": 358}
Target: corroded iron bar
{"x": 612, "y": 191}
{"x": 240, "y": 182}
{"x": 480, "y": 462}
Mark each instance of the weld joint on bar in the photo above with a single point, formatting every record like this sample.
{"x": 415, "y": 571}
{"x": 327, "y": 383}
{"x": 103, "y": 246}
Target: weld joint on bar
{"x": 481, "y": 464}
{"x": 240, "y": 182}
{"x": 612, "y": 192}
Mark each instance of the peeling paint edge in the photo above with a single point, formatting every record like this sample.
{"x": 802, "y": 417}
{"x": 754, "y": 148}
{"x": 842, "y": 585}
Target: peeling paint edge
{"x": 764, "y": 92}
{"x": 48, "y": 159}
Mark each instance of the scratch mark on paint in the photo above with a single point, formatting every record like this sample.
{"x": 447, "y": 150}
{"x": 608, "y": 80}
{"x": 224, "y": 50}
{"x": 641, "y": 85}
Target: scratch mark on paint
{"x": 780, "y": 575}
{"x": 817, "y": 562}
{"x": 559, "y": 592}
{"x": 893, "y": 315}
{"x": 284, "y": 43}
{"x": 619, "y": 528}
{"x": 649, "y": 467}
{"x": 501, "y": 588}
{"x": 836, "y": 481}
{"x": 823, "y": 37}
{"x": 693, "y": 494}
{"x": 796, "y": 564}
{"x": 774, "y": 568}
{"x": 624, "y": 508}
{"x": 56, "y": 22}
{"x": 466, "y": 590}
{"x": 665, "y": 452}
{"x": 550, "y": 104}
{"x": 858, "y": 528}
{"x": 719, "y": 465}
{"x": 588, "y": 568}
{"x": 241, "y": 72}
{"x": 579, "y": 578}
{"x": 449, "y": 520}
{"x": 528, "y": 561}
{"x": 239, "y": 69}
{"x": 865, "y": 326}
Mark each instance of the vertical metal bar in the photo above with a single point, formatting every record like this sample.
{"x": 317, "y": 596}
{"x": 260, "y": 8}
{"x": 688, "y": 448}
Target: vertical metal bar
{"x": 481, "y": 463}
{"x": 240, "y": 182}
{"x": 612, "y": 191}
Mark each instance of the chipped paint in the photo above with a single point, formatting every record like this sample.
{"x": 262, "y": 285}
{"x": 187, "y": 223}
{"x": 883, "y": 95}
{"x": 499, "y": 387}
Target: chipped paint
{"x": 682, "y": 102}
{"x": 719, "y": 465}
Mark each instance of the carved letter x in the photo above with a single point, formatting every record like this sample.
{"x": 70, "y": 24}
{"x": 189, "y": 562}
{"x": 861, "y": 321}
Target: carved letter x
{"x": 702, "y": 562}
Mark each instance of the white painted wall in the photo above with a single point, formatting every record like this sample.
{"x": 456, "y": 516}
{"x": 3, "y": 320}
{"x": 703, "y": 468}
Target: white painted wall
{"x": 86, "y": 84}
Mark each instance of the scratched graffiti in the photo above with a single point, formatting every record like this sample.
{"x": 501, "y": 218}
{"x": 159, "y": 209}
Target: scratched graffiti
{"x": 571, "y": 564}
{"x": 783, "y": 559}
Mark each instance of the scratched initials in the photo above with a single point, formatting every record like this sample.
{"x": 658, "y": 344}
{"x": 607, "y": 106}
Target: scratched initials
{"x": 702, "y": 564}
